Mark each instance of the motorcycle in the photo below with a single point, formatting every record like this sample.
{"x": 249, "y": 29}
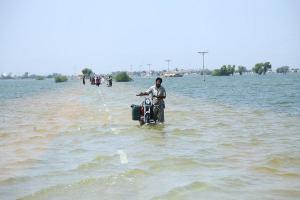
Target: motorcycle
{"x": 144, "y": 112}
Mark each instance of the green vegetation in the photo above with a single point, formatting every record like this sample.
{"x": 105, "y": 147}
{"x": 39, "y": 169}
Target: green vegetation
{"x": 241, "y": 69}
{"x": 225, "y": 70}
{"x": 283, "y": 69}
{"x": 262, "y": 68}
{"x": 60, "y": 78}
{"x": 87, "y": 72}
{"x": 39, "y": 77}
{"x": 122, "y": 77}
{"x": 216, "y": 72}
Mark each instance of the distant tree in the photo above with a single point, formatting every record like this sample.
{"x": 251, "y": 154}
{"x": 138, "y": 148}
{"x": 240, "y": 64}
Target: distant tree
{"x": 262, "y": 68}
{"x": 216, "y": 72}
{"x": 267, "y": 66}
{"x": 87, "y": 72}
{"x": 283, "y": 69}
{"x": 122, "y": 77}
{"x": 225, "y": 70}
{"x": 258, "y": 68}
{"x": 241, "y": 69}
{"x": 60, "y": 78}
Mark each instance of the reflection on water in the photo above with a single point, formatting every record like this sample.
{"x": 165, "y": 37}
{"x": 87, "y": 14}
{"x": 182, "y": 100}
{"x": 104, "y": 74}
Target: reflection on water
{"x": 79, "y": 142}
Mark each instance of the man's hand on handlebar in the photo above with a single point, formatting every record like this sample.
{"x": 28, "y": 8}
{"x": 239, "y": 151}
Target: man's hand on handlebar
{"x": 142, "y": 94}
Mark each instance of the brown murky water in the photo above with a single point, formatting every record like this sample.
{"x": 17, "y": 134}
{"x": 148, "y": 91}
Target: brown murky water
{"x": 79, "y": 142}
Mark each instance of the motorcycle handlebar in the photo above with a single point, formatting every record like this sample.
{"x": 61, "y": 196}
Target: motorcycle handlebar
{"x": 140, "y": 95}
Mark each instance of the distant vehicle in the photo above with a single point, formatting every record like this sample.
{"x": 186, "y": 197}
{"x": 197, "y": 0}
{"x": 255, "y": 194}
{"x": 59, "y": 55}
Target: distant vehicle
{"x": 172, "y": 74}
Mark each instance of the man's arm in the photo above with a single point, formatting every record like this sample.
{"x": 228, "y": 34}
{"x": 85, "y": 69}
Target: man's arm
{"x": 142, "y": 94}
{"x": 149, "y": 91}
{"x": 160, "y": 97}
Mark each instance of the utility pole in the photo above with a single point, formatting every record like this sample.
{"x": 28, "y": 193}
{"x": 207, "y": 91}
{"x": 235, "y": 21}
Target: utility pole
{"x": 168, "y": 60}
{"x": 203, "y": 52}
{"x": 149, "y": 68}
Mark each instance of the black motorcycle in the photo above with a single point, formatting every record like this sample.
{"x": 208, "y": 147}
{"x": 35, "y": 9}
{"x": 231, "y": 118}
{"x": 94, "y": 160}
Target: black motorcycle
{"x": 144, "y": 112}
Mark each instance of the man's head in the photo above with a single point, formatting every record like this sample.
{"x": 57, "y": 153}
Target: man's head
{"x": 158, "y": 82}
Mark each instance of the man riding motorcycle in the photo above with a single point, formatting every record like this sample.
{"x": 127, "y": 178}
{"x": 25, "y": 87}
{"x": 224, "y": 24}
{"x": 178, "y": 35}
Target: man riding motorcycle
{"x": 158, "y": 93}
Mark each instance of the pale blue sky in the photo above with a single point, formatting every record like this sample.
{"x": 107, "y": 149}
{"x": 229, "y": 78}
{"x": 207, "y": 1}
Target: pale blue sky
{"x": 64, "y": 36}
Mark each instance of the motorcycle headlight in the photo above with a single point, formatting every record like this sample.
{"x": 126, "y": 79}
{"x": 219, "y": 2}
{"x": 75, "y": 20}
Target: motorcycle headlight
{"x": 147, "y": 101}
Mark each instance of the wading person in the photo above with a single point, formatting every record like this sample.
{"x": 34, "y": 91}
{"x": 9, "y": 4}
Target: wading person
{"x": 98, "y": 81}
{"x": 109, "y": 81}
{"x": 83, "y": 80}
{"x": 158, "y": 93}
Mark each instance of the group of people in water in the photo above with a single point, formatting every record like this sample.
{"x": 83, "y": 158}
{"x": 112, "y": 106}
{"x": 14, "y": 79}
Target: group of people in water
{"x": 98, "y": 80}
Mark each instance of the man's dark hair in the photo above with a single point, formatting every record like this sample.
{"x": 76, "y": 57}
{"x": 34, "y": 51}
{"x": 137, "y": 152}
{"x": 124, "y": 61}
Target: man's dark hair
{"x": 158, "y": 78}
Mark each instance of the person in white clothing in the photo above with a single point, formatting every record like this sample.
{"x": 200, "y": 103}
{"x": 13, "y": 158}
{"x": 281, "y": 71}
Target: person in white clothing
{"x": 158, "y": 93}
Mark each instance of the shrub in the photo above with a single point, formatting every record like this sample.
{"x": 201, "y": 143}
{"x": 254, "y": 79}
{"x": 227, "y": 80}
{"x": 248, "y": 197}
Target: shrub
{"x": 216, "y": 72}
{"x": 241, "y": 69}
{"x": 261, "y": 68}
{"x": 122, "y": 77}
{"x": 225, "y": 70}
{"x": 39, "y": 78}
{"x": 60, "y": 78}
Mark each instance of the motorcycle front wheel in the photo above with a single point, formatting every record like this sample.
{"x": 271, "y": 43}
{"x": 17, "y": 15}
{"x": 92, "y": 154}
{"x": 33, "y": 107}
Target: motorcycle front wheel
{"x": 141, "y": 122}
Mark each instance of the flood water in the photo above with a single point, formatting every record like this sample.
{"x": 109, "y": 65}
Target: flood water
{"x": 225, "y": 138}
